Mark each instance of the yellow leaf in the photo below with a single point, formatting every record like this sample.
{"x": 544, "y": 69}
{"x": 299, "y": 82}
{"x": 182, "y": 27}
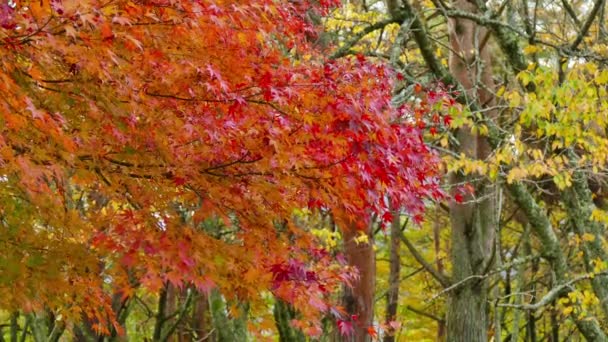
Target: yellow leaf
{"x": 514, "y": 99}
{"x": 363, "y": 238}
{"x": 602, "y": 78}
{"x": 500, "y": 91}
{"x": 588, "y": 237}
{"x": 530, "y": 49}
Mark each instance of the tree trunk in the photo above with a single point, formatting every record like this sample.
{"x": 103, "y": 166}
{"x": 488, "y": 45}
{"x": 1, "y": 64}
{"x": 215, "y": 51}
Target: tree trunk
{"x": 437, "y": 224}
{"x": 579, "y": 204}
{"x": 359, "y": 300}
{"x": 283, "y": 314}
{"x": 392, "y": 295}
{"x": 202, "y": 325}
{"x": 474, "y": 221}
{"x": 14, "y": 326}
{"x": 176, "y": 299}
{"x": 160, "y": 314}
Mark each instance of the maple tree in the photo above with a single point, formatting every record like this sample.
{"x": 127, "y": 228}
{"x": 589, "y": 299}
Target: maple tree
{"x": 164, "y": 145}
{"x": 186, "y": 170}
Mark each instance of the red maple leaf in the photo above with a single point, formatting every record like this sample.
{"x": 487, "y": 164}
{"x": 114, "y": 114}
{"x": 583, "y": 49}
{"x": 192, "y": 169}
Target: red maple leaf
{"x": 345, "y": 327}
{"x": 178, "y": 181}
{"x": 371, "y": 331}
{"x": 458, "y": 198}
{"x": 447, "y": 120}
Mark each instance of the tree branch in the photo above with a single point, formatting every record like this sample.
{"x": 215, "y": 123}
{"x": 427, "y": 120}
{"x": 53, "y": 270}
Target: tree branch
{"x": 553, "y": 294}
{"x": 585, "y": 29}
{"x": 179, "y": 317}
{"x": 571, "y": 13}
{"x": 483, "y": 276}
{"x": 425, "y": 314}
{"x": 440, "y": 277}
{"x": 344, "y": 50}
{"x": 425, "y": 45}
{"x": 484, "y": 21}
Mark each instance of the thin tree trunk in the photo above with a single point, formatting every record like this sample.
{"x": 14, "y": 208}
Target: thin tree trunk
{"x": 14, "y": 326}
{"x": 519, "y": 285}
{"x": 176, "y": 299}
{"x": 121, "y": 309}
{"x": 392, "y": 296}
{"x": 531, "y": 288}
{"x": 160, "y": 315}
{"x": 170, "y": 308}
{"x": 202, "y": 325}
{"x": 359, "y": 300}
{"x": 554, "y": 323}
{"x": 283, "y": 314}
{"x": 437, "y": 224}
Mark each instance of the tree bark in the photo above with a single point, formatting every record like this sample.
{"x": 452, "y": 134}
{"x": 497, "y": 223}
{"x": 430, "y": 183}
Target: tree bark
{"x": 201, "y": 318}
{"x": 551, "y": 251}
{"x": 359, "y": 300}
{"x": 474, "y": 221}
{"x": 160, "y": 314}
{"x": 437, "y": 224}
{"x": 392, "y": 295}
{"x": 579, "y": 206}
{"x": 283, "y": 314}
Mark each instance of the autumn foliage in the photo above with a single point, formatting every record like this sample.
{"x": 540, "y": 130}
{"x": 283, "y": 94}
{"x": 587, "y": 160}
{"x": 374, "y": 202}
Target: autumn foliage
{"x": 130, "y": 129}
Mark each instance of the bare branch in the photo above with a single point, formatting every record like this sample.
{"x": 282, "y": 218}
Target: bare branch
{"x": 344, "y": 50}
{"x": 425, "y": 314}
{"x": 571, "y": 13}
{"x": 585, "y": 29}
{"x": 485, "y": 21}
{"x": 483, "y": 276}
{"x": 440, "y": 277}
{"x": 553, "y": 294}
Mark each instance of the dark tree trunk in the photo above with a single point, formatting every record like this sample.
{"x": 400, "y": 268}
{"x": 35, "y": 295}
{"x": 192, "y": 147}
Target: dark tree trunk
{"x": 392, "y": 295}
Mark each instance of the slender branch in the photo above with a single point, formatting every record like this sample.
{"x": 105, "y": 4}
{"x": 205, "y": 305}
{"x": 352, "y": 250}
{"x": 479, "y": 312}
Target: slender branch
{"x": 483, "y": 276}
{"x": 484, "y": 21}
{"x": 509, "y": 44}
{"x": 344, "y": 50}
{"x": 238, "y": 161}
{"x": 571, "y": 13}
{"x": 143, "y": 304}
{"x": 427, "y": 50}
{"x": 553, "y": 294}
{"x": 158, "y": 326}
{"x": 441, "y": 278}
{"x": 180, "y": 316}
{"x": 585, "y": 29}
{"x": 425, "y": 314}
{"x": 425, "y": 45}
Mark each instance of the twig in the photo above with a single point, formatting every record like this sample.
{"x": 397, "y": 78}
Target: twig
{"x": 553, "y": 293}
{"x": 594, "y": 11}
{"x": 483, "y": 276}
{"x": 441, "y": 278}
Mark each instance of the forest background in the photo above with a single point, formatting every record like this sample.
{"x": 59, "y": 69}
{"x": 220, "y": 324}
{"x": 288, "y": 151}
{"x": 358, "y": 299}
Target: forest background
{"x": 391, "y": 170}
